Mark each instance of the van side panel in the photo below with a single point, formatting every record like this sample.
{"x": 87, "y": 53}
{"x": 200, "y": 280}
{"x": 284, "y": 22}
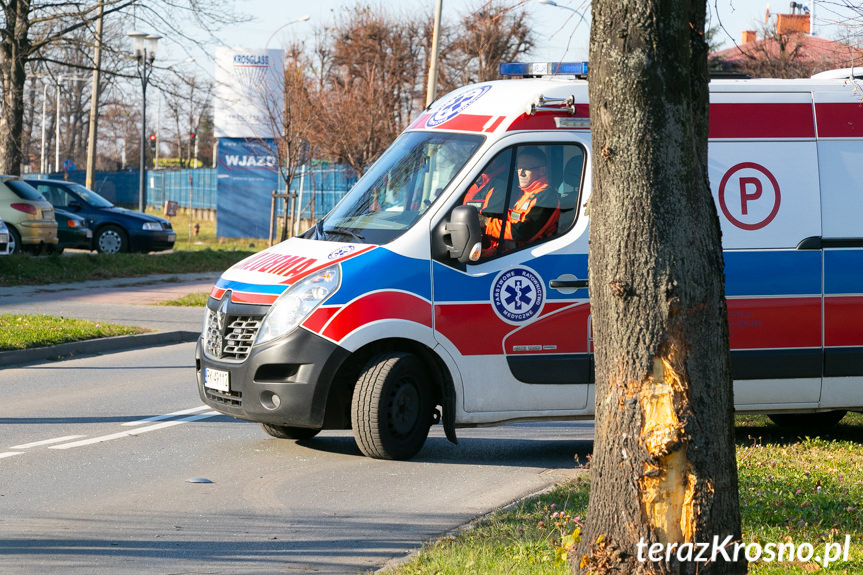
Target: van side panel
{"x": 764, "y": 178}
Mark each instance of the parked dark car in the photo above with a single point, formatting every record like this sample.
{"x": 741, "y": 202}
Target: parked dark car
{"x": 72, "y": 232}
{"x": 115, "y": 229}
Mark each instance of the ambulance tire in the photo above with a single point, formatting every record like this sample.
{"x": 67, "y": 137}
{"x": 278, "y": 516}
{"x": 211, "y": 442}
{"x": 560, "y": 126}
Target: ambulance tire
{"x": 808, "y": 421}
{"x": 288, "y": 432}
{"x": 392, "y": 410}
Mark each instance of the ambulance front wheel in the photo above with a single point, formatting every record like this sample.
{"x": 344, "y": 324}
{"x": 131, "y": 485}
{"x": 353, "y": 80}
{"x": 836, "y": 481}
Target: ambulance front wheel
{"x": 392, "y": 408}
{"x": 288, "y": 432}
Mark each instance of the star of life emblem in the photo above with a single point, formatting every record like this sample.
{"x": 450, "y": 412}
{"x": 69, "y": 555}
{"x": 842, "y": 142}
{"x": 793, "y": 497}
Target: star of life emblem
{"x": 517, "y": 295}
{"x": 456, "y": 105}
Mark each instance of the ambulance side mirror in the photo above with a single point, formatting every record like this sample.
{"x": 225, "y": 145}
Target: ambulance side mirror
{"x": 459, "y": 238}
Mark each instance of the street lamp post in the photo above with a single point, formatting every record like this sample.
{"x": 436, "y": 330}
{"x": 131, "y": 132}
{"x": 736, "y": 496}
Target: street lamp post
{"x": 556, "y": 5}
{"x": 145, "y": 52}
{"x": 305, "y": 18}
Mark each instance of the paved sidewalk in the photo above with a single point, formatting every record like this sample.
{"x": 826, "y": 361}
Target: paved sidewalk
{"x": 127, "y": 301}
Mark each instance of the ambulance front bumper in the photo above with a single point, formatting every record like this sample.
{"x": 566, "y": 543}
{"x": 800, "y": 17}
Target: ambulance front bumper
{"x": 284, "y": 382}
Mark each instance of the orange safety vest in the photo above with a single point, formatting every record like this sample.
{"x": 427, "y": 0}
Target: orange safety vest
{"x": 474, "y": 197}
{"x": 519, "y": 213}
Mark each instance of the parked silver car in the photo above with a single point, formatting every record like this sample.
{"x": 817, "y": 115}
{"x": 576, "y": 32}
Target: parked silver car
{"x": 5, "y": 246}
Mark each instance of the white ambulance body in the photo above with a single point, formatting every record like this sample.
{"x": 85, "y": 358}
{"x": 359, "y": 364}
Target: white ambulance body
{"x": 386, "y": 316}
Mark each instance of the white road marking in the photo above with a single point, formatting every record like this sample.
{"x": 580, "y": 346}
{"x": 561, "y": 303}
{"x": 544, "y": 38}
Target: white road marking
{"x": 166, "y": 416}
{"x": 46, "y": 442}
{"x": 9, "y": 454}
{"x": 133, "y": 432}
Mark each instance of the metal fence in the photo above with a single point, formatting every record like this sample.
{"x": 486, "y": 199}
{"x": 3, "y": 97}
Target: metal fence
{"x": 319, "y": 187}
{"x": 117, "y": 187}
{"x": 189, "y": 188}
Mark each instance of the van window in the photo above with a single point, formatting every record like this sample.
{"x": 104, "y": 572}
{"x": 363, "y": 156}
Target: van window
{"x": 398, "y": 188}
{"x": 526, "y": 195}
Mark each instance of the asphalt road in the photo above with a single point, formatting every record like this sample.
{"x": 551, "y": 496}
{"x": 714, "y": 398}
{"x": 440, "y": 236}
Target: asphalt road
{"x": 97, "y": 454}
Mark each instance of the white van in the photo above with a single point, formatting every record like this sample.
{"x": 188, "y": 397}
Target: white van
{"x": 398, "y": 309}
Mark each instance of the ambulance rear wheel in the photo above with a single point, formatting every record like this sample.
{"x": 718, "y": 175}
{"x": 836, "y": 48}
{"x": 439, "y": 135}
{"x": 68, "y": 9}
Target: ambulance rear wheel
{"x": 392, "y": 410}
{"x": 288, "y": 432}
{"x": 808, "y": 421}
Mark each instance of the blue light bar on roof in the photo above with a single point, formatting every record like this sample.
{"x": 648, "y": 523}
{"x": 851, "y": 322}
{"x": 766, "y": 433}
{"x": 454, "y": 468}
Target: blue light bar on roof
{"x": 543, "y": 68}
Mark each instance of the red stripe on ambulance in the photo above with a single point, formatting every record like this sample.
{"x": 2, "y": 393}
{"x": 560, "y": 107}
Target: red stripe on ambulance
{"x": 839, "y": 120}
{"x": 378, "y": 306}
{"x": 780, "y": 323}
{"x": 773, "y": 120}
{"x": 843, "y": 327}
{"x": 466, "y": 123}
{"x": 319, "y": 318}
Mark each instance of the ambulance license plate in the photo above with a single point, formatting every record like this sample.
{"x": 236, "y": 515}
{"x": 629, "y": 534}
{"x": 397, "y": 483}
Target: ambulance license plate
{"x": 217, "y": 379}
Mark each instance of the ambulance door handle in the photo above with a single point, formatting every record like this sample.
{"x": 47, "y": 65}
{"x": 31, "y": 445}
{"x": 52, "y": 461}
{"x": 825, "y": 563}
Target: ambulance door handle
{"x": 567, "y": 284}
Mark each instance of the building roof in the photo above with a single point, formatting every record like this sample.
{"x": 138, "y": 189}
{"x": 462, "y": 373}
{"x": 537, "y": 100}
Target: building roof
{"x": 793, "y": 54}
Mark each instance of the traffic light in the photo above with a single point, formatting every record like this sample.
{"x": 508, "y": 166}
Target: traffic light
{"x": 192, "y": 137}
{"x": 152, "y": 142}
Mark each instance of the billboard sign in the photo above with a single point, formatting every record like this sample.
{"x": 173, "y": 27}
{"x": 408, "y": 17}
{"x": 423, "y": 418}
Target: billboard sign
{"x": 249, "y": 93}
{"x": 248, "y": 173}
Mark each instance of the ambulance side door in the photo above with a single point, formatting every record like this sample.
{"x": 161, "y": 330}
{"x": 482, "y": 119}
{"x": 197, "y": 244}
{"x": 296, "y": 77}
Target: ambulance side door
{"x": 517, "y": 320}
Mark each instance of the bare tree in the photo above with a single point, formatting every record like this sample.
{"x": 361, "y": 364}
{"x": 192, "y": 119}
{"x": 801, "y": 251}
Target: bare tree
{"x": 29, "y": 27}
{"x": 663, "y": 467}
{"x": 491, "y": 33}
{"x": 371, "y": 84}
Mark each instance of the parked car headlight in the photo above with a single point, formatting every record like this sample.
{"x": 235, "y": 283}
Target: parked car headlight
{"x": 152, "y": 226}
{"x": 297, "y": 302}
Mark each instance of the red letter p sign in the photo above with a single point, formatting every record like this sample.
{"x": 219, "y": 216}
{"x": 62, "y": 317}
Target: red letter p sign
{"x": 759, "y": 196}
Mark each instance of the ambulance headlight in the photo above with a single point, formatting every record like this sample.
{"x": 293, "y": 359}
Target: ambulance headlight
{"x": 297, "y": 302}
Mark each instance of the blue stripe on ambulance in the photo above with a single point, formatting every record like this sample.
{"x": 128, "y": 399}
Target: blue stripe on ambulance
{"x": 399, "y": 273}
{"x": 772, "y": 273}
{"x": 843, "y": 271}
{"x": 270, "y": 289}
{"x": 455, "y": 286}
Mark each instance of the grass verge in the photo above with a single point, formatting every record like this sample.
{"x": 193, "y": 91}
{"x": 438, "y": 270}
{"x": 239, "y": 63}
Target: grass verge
{"x": 28, "y": 270}
{"x": 792, "y": 490}
{"x": 191, "y": 300}
{"x": 19, "y": 331}
{"x": 203, "y": 252}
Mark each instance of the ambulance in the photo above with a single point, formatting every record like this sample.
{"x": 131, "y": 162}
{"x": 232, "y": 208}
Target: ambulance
{"x": 397, "y": 311}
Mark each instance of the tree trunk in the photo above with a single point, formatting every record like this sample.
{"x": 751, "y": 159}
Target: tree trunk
{"x": 15, "y": 48}
{"x": 663, "y": 467}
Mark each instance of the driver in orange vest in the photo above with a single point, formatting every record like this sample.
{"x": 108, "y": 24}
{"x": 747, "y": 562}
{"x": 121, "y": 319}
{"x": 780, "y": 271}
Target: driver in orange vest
{"x": 534, "y": 216}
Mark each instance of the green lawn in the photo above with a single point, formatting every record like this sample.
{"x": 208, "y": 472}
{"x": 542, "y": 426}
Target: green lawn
{"x": 792, "y": 490}
{"x": 18, "y": 331}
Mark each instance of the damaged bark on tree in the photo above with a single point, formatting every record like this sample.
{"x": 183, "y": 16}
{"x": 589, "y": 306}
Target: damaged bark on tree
{"x": 663, "y": 467}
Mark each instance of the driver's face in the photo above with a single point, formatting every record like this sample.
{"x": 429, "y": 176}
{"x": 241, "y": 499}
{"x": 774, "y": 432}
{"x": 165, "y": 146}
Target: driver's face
{"x": 529, "y": 170}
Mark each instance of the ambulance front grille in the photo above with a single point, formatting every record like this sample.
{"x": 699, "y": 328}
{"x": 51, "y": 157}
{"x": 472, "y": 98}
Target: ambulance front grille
{"x": 234, "y": 341}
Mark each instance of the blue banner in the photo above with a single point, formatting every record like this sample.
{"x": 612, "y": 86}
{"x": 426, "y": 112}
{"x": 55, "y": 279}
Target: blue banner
{"x": 247, "y": 176}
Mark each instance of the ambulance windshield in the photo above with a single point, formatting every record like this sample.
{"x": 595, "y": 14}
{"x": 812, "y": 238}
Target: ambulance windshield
{"x": 398, "y": 188}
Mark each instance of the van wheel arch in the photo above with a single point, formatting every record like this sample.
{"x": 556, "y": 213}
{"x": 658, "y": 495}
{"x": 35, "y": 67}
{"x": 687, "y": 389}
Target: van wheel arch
{"x": 338, "y": 410}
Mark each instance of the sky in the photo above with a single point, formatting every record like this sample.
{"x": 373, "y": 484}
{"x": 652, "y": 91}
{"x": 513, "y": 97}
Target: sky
{"x": 563, "y": 32}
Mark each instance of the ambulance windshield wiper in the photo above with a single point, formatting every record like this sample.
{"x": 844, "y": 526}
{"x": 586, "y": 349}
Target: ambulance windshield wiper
{"x": 343, "y": 232}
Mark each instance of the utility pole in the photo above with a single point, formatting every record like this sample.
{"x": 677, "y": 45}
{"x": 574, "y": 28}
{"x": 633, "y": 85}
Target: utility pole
{"x": 94, "y": 101}
{"x": 431, "y": 89}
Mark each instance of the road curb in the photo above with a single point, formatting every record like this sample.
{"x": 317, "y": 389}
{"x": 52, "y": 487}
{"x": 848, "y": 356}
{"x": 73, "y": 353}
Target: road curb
{"x": 94, "y": 347}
